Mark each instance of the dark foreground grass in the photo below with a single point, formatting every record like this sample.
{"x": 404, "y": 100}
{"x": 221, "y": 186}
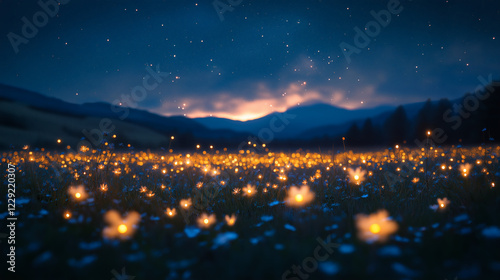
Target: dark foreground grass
{"x": 460, "y": 241}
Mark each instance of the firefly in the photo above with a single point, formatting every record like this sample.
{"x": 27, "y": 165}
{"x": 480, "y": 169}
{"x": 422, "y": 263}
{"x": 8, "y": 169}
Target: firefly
{"x": 67, "y": 215}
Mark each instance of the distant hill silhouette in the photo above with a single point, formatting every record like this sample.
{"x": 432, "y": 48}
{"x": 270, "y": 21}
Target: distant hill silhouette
{"x": 31, "y": 118}
{"x": 305, "y": 117}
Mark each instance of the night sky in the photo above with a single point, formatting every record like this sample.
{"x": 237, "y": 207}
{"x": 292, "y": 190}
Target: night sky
{"x": 256, "y": 57}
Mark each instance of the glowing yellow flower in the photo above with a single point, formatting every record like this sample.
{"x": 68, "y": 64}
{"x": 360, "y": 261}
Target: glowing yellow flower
{"x": 464, "y": 168}
{"x": 230, "y": 220}
{"x": 356, "y": 176}
{"x": 442, "y": 203}
{"x": 143, "y": 189}
{"x": 186, "y": 203}
{"x": 104, "y": 187}
{"x": 375, "y": 227}
{"x": 236, "y": 191}
{"x": 119, "y": 227}
{"x": 205, "y": 221}
{"x": 299, "y": 197}
{"x": 78, "y": 193}
{"x": 171, "y": 212}
{"x": 199, "y": 185}
{"x": 84, "y": 149}
{"x": 249, "y": 190}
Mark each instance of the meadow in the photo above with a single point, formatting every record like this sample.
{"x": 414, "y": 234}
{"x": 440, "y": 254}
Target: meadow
{"x": 398, "y": 213}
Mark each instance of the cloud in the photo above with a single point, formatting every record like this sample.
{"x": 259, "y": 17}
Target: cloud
{"x": 261, "y": 100}
{"x": 226, "y": 105}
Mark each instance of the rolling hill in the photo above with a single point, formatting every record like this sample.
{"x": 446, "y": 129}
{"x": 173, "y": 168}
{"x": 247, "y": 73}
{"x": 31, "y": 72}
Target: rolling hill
{"x": 30, "y": 118}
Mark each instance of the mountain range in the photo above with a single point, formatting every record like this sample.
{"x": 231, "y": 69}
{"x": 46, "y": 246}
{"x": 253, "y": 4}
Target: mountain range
{"x": 35, "y": 119}
{"x": 311, "y": 120}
